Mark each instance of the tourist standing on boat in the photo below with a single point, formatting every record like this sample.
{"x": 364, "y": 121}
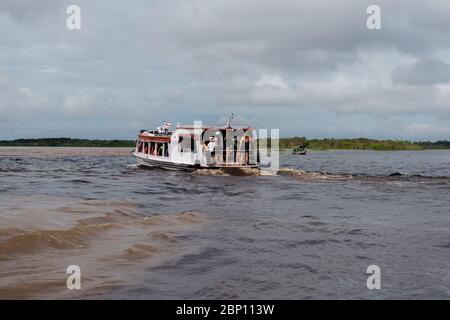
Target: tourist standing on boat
{"x": 211, "y": 149}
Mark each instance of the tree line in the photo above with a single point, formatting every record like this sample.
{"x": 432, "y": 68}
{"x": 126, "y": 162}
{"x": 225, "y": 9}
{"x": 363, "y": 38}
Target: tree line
{"x": 66, "y": 142}
{"x": 359, "y": 144}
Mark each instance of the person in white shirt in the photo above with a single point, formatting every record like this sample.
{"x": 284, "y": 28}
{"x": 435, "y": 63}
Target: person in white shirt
{"x": 212, "y": 145}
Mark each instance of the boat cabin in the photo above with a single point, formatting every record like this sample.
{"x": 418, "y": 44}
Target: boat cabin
{"x": 197, "y": 147}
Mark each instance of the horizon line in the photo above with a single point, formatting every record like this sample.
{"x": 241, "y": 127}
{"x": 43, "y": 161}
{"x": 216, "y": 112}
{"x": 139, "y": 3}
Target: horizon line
{"x": 290, "y": 137}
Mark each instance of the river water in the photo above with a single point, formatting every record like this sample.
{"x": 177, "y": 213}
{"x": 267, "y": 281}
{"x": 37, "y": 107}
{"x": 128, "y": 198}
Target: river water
{"x": 308, "y": 232}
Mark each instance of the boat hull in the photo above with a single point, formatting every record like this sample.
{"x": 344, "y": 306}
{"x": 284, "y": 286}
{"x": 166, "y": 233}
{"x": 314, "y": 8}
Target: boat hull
{"x": 169, "y": 165}
{"x": 164, "y": 164}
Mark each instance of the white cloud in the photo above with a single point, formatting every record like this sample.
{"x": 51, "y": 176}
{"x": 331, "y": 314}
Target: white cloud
{"x": 272, "y": 82}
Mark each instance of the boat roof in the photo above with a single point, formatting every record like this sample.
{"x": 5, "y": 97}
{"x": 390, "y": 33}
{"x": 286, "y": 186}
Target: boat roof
{"x": 161, "y": 138}
{"x": 205, "y": 127}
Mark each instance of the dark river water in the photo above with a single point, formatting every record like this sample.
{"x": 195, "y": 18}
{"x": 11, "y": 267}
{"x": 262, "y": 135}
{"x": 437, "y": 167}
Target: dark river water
{"x": 308, "y": 232}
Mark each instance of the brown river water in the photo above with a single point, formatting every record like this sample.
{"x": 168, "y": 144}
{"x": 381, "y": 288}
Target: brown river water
{"x": 308, "y": 232}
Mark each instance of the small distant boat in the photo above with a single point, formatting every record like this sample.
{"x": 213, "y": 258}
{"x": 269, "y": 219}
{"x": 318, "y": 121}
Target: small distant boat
{"x": 300, "y": 150}
{"x": 190, "y": 147}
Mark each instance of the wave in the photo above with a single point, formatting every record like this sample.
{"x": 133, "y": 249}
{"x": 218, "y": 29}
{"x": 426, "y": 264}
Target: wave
{"x": 269, "y": 172}
{"x": 323, "y": 175}
{"x": 398, "y": 176}
{"x": 21, "y": 241}
{"x": 110, "y": 247}
{"x": 133, "y": 166}
{"x": 312, "y": 175}
{"x": 79, "y": 181}
{"x": 227, "y": 172}
{"x": 420, "y": 176}
{"x": 14, "y": 169}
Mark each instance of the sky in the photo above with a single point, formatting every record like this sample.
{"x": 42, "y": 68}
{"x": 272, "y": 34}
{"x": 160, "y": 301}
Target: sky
{"x": 308, "y": 68}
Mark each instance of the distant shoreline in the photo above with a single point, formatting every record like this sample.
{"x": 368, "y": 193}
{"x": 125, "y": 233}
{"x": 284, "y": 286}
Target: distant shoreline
{"x": 67, "y": 142}
{"x": 284, "y": 144}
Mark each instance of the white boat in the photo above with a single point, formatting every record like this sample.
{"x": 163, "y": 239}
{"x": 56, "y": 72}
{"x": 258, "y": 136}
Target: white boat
{"x": 191, "y": 147}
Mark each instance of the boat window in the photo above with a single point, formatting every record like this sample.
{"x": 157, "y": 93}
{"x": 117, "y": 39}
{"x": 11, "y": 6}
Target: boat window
{"x": 186, "y": 143}
{"x": 166, "y": 149}
{"x": 160, "y": 149}
{"x": 152, "y": 148}
{"x": 180, "y": 144}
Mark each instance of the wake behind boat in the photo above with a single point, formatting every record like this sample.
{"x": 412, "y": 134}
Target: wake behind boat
{"x": 191, "y": 147}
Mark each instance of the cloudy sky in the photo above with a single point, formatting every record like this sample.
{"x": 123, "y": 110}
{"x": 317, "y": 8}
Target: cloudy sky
{"x": 310, "y": 68}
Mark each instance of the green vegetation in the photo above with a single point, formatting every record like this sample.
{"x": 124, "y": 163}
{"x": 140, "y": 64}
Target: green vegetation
{"x": 285, "y": 143}
{"x": 359, "y": 144}
{"x": 66, "y": 142}
{"x": 354, "y": 144}
{"x": 443, "y": 144}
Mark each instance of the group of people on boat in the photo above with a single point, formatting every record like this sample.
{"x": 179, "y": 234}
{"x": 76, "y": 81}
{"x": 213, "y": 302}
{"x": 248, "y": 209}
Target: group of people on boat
{"x": 216, "y": 149}
{"x": 238, "y": 151}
